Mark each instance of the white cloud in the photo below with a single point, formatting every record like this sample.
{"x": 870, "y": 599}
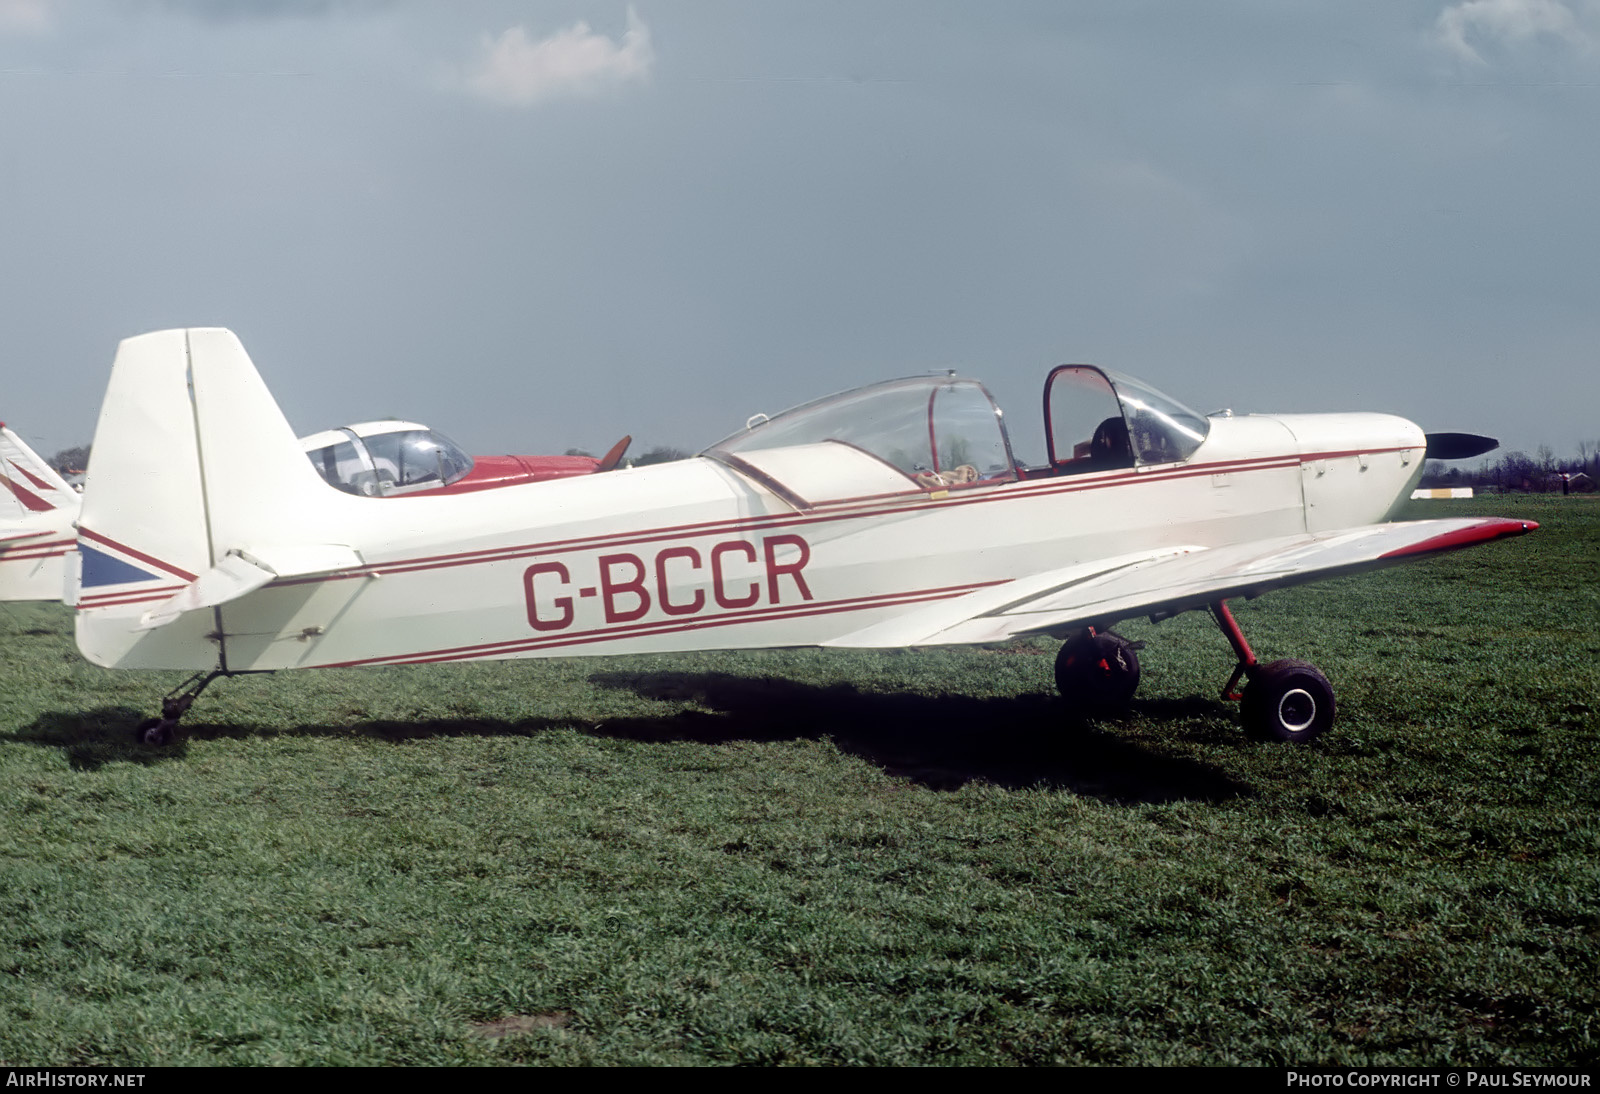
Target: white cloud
{"x": 1466, "y": 28}
{"x": 514, "y": 70}
{"x": 25, "y": 15}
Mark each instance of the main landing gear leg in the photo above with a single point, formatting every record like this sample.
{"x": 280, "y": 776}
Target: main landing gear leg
{"x": 1285, "y": 700}
{"x": 159, "y": 731}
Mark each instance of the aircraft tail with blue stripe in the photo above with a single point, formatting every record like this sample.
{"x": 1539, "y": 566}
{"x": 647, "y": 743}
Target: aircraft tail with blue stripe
{"x": 192, "y": 458}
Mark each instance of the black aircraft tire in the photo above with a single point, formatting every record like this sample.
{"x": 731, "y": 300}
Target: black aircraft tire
{"x": 1288, "y": 700}
{"x": 154, "y": 731}
{"x": 1097, "y": 672}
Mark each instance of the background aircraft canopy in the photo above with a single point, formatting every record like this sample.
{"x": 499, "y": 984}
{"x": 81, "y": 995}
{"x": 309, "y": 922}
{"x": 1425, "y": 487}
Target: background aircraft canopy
{"x": 381, "y": 459}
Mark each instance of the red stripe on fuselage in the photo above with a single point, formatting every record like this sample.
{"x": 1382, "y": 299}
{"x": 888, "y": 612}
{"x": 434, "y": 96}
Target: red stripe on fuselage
{"x": 117, "y": 600}
{"x": 30, "y": 552}
{"x": 646, "y": 630}
{"x": 832, "y": 512}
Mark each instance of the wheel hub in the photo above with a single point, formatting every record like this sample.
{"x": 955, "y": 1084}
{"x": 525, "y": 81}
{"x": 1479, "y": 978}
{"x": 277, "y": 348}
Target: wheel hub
{"x": 1297, "y": 710}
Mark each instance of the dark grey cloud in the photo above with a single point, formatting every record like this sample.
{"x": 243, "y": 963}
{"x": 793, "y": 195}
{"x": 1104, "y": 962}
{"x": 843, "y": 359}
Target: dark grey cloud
{"x": 1270, "y": 208}
{"x": 233, "y": 11}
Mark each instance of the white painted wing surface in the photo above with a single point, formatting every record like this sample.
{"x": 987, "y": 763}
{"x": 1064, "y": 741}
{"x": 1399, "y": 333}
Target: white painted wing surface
{"x": 28, "y": 485}
{"x": 1172, "y": 580}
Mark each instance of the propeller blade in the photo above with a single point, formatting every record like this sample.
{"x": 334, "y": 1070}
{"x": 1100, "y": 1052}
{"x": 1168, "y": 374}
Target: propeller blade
{"x": 1458, "y": 446}
{"x": 613, "y": 457}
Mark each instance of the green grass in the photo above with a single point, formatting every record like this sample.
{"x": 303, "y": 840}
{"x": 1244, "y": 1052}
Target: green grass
{"x": 833, "y": 857}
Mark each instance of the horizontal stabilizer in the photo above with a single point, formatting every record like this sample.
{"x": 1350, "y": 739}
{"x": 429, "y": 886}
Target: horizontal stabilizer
{"x": 242, "y": 572}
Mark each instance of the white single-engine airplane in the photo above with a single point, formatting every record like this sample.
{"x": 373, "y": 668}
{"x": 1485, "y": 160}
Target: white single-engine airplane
{"x": 892, "y": 515}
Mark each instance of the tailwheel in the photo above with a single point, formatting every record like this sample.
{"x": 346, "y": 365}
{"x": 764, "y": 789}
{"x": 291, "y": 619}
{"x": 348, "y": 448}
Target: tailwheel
{"x": 1098, "y": 671}
{"x": 160, "y": 731}
{"x": 154, "y": 731}
{"x": 1287, "y": 700}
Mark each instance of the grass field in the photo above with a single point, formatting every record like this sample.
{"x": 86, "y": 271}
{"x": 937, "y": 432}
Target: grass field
{"x": 833, "y": 857}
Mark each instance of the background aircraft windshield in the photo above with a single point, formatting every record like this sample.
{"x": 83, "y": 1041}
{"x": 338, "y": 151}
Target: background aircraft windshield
{"x": 397, "y": 462}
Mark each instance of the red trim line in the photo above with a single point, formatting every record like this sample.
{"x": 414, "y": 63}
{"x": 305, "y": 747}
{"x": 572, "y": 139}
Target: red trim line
{"x": 148, "y": 560}
{"x": 1021, "y": 491}
{"x": 31, "y": 552}
{"x": 117, "y": 600}
{"x": 36, "y": 546}
{"x": 1482, "y": 532}
{"x": 1309, "y": 456}
{"x": 864, "y": 507}
{"x": 645, "y": 630}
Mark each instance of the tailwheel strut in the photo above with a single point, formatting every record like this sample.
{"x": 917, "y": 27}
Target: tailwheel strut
{"x": 159, "y": 731}
{"x": 1287, "y": 700}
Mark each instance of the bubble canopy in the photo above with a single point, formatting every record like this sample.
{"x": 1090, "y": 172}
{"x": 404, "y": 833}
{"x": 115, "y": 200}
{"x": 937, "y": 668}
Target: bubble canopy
{"x": 1096, "y": 419}
{"x": 914, "y": 433}
{"x": 944, "y": 431}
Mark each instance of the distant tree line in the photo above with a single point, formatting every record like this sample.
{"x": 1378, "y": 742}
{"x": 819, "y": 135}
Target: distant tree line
{"x": 71, "y": 461}
{"x": 1542, "y": 472}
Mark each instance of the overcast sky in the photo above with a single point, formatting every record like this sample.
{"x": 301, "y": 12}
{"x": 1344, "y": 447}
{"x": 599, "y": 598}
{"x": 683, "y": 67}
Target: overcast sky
{"x": 541, "y": 225}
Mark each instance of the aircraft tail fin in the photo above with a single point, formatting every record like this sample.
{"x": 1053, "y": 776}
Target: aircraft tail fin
{"x": 192, "y": 460}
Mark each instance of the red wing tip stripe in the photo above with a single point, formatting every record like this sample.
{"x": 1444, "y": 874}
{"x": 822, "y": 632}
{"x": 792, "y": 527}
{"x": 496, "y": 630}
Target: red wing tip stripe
{"x": 1482, "y": 532}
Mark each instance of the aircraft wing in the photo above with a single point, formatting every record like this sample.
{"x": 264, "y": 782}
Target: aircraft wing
{"x": 27, "y": 484}
{"x": 1171, "y": 580}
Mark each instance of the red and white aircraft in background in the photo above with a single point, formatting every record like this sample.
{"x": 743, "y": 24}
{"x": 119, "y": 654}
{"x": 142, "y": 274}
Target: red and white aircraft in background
{"x": 892, "y": 515}
{"x": 389, "y": 458}
{"x": 393, "y": 458}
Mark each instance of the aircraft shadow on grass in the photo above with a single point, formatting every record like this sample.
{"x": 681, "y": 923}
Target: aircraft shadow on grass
{"x": 941, "y": 742}
{"x": 96, "y": 737}
{"x": 938, "y": 741}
